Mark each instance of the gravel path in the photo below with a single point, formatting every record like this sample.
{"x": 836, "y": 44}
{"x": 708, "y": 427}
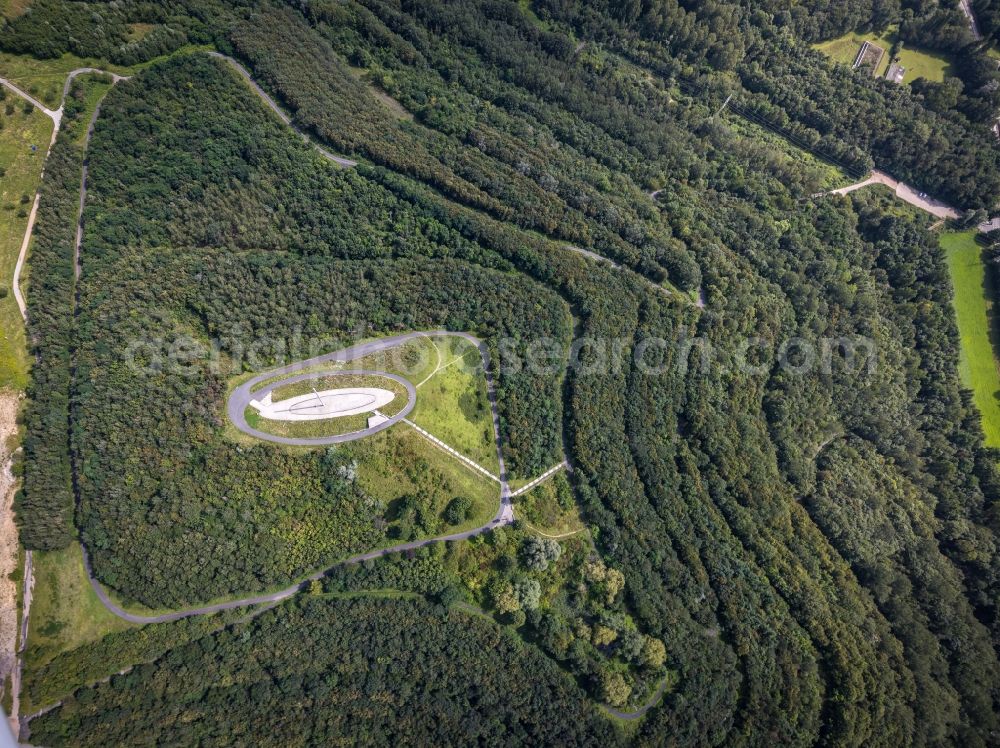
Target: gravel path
{"x": 28, "y": 576}
{"x": 905, "y": 193}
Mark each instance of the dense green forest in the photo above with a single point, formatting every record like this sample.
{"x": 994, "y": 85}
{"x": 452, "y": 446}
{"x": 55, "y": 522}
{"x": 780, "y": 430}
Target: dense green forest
{"x": 793, "y": 87}
{"x": 814, "y": 547}
{"x": 46, "y": 499}
{"x": 322, "y": 671}
{"x": 276, "y": 514}
{"x": 51, "y": 28}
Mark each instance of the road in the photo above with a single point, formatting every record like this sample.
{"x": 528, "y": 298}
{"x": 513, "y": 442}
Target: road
{"x": 238, "y": 402}
{"x": 966, "y": 7}
{"x": 903, "y": 192}
{"x": 28, "y": 582}
{"x": 345, "y": 163}
{"x": 56, "y": 116}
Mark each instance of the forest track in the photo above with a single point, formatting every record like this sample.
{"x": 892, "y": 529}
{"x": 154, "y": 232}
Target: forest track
{"x": 344, "y": 163}
{"x": 237, "y": 404}
{"x": 28, "y": 581}
{"x": 9, "y": 405}
{"x": 641, "y": 711}
{"x": 906, "y": 193}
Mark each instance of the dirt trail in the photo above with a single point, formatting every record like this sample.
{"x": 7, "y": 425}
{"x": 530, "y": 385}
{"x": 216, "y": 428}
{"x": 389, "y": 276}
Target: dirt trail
{"x": 9, "y": 402}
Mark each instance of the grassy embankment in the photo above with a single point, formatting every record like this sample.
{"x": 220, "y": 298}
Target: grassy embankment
{"x": 974, "y": 309}
{"x": 65, "y": 612}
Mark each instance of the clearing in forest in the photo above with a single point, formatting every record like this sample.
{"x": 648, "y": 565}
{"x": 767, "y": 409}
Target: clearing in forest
{"x": 975, "y": 310}
{"x": 918, "y": 63}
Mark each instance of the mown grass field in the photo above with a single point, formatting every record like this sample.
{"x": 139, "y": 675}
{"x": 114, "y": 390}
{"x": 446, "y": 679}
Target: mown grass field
{"x": 22, "y": 175}
{"x": 974, "y": 308}
{"x": 918, "y": 63}
{"x": 321, "y": 383}
{"x": 65, "y": 612}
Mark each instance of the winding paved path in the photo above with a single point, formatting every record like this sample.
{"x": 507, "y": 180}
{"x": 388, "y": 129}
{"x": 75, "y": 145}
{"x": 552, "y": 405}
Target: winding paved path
{"x": 242, "y": 396}
{"x": 236, "y": 406}
{"x": 641, "y": 711}
{"x": 505, "y": 512}
{"x": 340, "y": 161}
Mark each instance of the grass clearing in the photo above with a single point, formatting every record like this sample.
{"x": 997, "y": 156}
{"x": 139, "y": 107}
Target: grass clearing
{"x": 399, "y": 462}
{"x": 11, "y": 9}
{"x": 413, "y": 360}
{"x": 397, "y": 110}
{"x": 138, "y": 31}
{"x": 918, "y": 63}
{"x": 977, "y": 327}
{"x": 65, "y": 612}
{"x": 550, "y": 507}
{"x": 453, "y": 405}
{"x": 22, "y": 175}
{"x": 306, "y": 429}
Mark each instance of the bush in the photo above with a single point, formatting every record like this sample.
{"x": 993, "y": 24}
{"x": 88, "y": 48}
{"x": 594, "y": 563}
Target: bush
{"x": 458, "y": 510}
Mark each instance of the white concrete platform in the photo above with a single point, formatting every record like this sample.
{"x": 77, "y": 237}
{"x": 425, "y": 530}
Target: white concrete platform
{"x": 316, "y": 406}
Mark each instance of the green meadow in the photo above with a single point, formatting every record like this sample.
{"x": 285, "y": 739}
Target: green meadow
{"x": 974, "y": 305}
